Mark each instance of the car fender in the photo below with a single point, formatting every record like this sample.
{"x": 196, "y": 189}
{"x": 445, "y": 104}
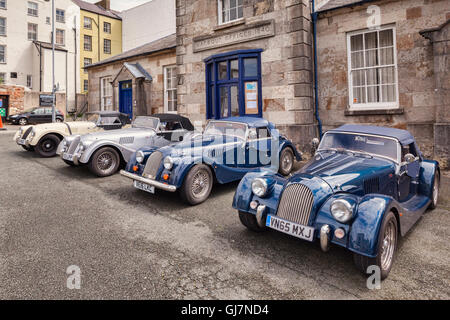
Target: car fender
{"x": 183, "y": 166}
{"x": 125, "y": 152}
{"x": 40, "y": 133}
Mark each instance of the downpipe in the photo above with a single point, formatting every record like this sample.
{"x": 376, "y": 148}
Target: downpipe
{"x": 316, "y": 89}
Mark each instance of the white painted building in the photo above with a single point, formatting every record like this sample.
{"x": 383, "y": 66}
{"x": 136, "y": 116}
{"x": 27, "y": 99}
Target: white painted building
{"x": 25, "y": 46}
{"x": 148, "y": 22}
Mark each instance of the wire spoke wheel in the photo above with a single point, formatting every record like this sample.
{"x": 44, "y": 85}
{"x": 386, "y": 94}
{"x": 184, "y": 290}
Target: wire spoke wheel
{"x": 388, "y": 246}
{"x": 286, "y": 162}
{"x": 106, "y": 161}
{"x": 200, "y": 184}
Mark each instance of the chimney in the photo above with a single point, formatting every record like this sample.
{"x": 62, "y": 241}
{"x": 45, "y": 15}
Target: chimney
{"x": 105, "y": 4}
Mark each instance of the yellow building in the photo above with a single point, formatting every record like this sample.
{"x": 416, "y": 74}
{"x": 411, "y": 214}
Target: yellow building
{"x": 100, "y": 35}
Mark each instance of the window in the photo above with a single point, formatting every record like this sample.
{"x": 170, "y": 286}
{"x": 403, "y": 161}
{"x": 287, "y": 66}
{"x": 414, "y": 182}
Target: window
{"x": 106, "y": 93}
{"x": 230, "y": 10}
{"x": 106, "y": 27}
{"x": 87, "y": 43}
{"x": 87, "y": 62}
{"x": 106, "y": 46}
{"x": 233, "y": 85}
{"x": 372, "y": 65}
{"x": 32, "y": 31}
{"x": 32, "y": 9}
{"x": 2, "y": 4}
{"x": 13, "y": 75}
{"x": 2, "y": 54}
{"x": 60, "y": 37}
{"x": 2, "y": 26}
{"x": 2, "y": 77}
{"x": 47, "y": 20}
{"x": 30, "y": 81}
{"x": 170, "y": 89}
{"x": 86, "y": 85}
{"x": 87, "y": 23}
{"x": 60, "y": 16}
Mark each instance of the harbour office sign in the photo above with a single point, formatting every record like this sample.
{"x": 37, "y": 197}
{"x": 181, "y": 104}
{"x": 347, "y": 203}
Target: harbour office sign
{"x": 251, "y": 32}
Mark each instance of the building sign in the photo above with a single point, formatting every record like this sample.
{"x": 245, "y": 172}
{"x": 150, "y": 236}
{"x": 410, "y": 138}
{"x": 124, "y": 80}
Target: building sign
{"x": 2, "y": 112}
{"x": 251, "y": 97}
{"x": 252, "y": 32}
{"x": 45, "y": 100}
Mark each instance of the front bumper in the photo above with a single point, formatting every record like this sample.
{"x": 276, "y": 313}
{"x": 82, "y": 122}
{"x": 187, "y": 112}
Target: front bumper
{"x": 71, "y": 157}
{"x": 22, "y": 142}
{"x": 156, "y": 184}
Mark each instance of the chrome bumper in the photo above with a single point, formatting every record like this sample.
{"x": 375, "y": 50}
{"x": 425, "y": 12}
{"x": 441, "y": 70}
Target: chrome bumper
{"x": 325, "y": 238}
{"x": 150, "y": 182}
{"x": 75, "y": 158}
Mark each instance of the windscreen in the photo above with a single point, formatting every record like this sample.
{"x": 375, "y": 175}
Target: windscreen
{"x": 226, "y": 128}
{"x": 146, "y": 122}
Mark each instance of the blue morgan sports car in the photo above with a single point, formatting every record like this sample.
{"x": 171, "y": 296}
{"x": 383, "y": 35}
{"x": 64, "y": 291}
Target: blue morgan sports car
{"x": 364, "y": 187}
{"x": 225, "y": 152}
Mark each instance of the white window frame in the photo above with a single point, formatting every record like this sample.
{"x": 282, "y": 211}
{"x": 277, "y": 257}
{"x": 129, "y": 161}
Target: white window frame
{"x": 105, "y": 82}
{"x": 105, "y": 29}
{"x": 86, "y": 64}
{"x": 30, "y": 11}
{"x": 28, "y": 31}
{"x": 85, "y": 42}
{"x": 2, "y": 75}
{"x": 376, "y": 105}
{"x": 30, "y": 81}
{"x": 105, "y": 41}
{"x": 85, "y": 81}
{"x": 5, "y": 4}
{"x": 4, "y": 54}
{"x": 64, "y": 37}
{"x": 60, "y": 18}
{"x": 166, "y": 89}
{"x": 89, "y": 27}
{"x": 220, "y": 9}
{"x": 4, "y": 33}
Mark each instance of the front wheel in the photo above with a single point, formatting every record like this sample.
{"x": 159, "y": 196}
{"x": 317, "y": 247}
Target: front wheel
{"x": 46, "y": 147}
{"x": 435, "y": 196}
{"x": 197, "y": 185}
{"x": 249, "y": 221}
{"x": 387, "y": 245}
{"x": 104, "y": 162}
{"x": 286, "y": 161}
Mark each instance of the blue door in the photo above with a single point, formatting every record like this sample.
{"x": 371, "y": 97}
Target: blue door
{"x": 126, "y": 98}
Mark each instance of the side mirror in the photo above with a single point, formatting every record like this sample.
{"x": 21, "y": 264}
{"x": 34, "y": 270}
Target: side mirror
{"x": 315, "y": 143}
{"x": 409, "y": 158}
{"x": 252, "y": 135}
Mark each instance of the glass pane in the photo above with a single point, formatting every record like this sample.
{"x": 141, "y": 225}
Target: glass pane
{"x": 372, "y": 58}
{"x": 372, "y": 76}
{"x": 386, "y": 38}
{"x": 389, "y": 94}
{"x": 387, "y": 56}
{"x": 372, "y": 94}
{"x": 224, "y": 102}
{"x": 240, "y": 12}
{"x": 233, "y": 14}
{"x": 359, "y": 95}
{"x": 357, "y": 60}
{"x": 358, "y": 77}
{"x": 234, "y": 65}
{"x": 356, "y": 42}
{"x": 387, "y": 75}
{"x": 250, "y": 67}
{"x": 232, "y": 4}
{"x": 212, "y": 101}
{"x": 234, "y": 101}
{"x": 223, "y": 70}
{"x": 211, "y": 72}
{"x": 371, "y": 40}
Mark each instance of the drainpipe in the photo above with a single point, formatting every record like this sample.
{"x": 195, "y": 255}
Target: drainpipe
{"x": 75, "y": 62}
{"x": 316, "y": 89}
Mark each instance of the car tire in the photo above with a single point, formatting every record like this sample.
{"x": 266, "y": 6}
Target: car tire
{"x": 59, "y": 120}
{"x": 249, "y": 221}
{"x": 70, "y": 163}
{"x": 30, "y": 148}
{"x": 197, "y": 185}
{"x": 286, "y": 161}
{"x": 104, "y": 162}
{"x": 387, "y": 240}
{"x": 47, "y": 146}
{"x": 22, "y": 121}
{"x": 435, "y": 193}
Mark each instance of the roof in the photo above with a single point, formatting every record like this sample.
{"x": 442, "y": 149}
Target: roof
{"x": 250, "y": 121}
{"x": 138, "y": 71}
{"x": 336, "y": 4}
{"x": 92, "y": 7}
{"x": 185, "y": 122}
{"x": 401, "y": 135}
{"x": 169, "y": 42}
{"x": 48, "y": 45}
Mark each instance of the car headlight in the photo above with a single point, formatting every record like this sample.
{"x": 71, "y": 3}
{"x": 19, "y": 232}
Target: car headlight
{"x": 168, "y": 163}
{"x": 259, "y": 187}
{"x": 341, "y": 210}
{"x": 32, "y": 134}
{"x": 82, "y": 147}
{"x": 140, "y": 156}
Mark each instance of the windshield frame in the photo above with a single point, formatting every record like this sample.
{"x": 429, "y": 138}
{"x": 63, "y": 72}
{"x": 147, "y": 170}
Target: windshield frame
{"x": 226, "y": 121}
{"x": 155, "y": 129}
{"x": 397, "y": 161}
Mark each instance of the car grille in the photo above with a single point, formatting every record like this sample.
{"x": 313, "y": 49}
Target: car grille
{"x": 27, "y": 132}
{"x": 73, "y": 146}
{"x": 152, "y": 165}
{"x": 371, "y": 185}
{"x": 296, "y": 204}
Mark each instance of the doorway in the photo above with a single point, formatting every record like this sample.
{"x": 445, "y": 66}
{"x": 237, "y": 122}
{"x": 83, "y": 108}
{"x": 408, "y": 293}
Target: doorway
{"x": 126, "y": 97}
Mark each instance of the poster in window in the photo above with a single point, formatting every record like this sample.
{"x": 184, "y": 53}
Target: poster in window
{"x": 251, "y": 97}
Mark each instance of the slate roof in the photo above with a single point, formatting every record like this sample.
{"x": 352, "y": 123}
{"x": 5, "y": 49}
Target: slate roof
{"x": 92, "y": 7}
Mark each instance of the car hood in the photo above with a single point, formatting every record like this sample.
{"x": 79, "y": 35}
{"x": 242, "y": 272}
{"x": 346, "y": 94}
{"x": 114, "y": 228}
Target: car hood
{"x": 117, "y": 134}
{"x": 345, "y": 172}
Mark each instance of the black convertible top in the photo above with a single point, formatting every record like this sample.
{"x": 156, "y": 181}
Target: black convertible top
{"x": 124, "y": 118}
{"x": 185, "y": 122}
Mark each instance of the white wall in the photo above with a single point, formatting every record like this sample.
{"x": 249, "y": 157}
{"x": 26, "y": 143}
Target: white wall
{"x": 22, "y": 55}
{"x": 148, "y": 22}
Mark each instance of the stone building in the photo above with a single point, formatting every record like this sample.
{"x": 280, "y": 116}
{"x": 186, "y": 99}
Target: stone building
{"x": 386, "y": 62}
{"x": 247, "y": 57}
{"x": 140, "y": 81}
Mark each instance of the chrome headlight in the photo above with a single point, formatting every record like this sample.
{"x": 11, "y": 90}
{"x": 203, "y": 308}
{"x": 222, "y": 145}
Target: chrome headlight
{"x": 259, "y": 187}
{"x": 342, "y": 210}
{"x": 140, "y": 156}
{"x": 82, "y": 147}
{"x": 32, "y": 133}
{"x": 168, "y": 163}
{"x": 20, "y": 132}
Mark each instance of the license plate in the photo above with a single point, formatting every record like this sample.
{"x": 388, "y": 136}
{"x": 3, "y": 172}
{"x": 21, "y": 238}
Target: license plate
{"x": 21, "y": 142}
{"x": 293, "y": 229}
{"x": 67, "y": 156}
{"x": 143, "y": 186}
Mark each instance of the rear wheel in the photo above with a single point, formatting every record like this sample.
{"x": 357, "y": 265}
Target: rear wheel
{"x": 435, "y": 196}
{"x": 30, "y": 148}
{"x": 387, "y": 245}
{"x": 249, "y": 221}
{"x": 197, "y": 185}
{"x": 59, "y": 120}
{"x": 104, "y": 162}
{"x": 23, "y": 121}
{"x": 46, "y": 147}
{"x": 286, "y": 161}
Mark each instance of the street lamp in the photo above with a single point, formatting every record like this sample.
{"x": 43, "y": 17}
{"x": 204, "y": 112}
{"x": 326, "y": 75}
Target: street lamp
{"x": 53, "y": 61}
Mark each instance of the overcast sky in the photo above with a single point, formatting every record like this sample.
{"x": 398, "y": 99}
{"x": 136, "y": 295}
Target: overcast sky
{"x": 120, "y": 5}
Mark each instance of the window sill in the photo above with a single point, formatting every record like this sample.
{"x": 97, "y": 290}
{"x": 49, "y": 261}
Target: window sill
{"x": 229, "y": 24}
{"x": 374, "y": 112}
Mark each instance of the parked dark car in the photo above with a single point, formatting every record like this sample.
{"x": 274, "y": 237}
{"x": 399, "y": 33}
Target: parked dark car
{"x": 36, "y": 115}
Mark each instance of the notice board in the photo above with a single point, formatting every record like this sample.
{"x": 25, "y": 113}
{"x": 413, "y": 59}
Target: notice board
{"x": 251, "y": 97}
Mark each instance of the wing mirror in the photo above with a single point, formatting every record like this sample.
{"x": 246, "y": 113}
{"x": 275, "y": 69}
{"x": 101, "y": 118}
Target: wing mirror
{"x": 315, "y": 144}
{"x": 409, "y": 158}
{"x": 252, "y": 135}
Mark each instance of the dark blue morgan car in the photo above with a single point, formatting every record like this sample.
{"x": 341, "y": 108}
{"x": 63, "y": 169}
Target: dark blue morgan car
{"x": 225, "y": 152}
{"x": 364, "y": 187}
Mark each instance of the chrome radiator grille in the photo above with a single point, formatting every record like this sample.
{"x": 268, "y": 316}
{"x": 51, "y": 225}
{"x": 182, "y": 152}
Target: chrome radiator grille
{"x": 296, "y": 204}
{"x": 73, "y": 146}
{"x": 152, "y": 165}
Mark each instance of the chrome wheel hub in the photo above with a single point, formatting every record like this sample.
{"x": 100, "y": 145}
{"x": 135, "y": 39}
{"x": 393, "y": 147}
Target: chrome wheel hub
{"x": 436, "y": 191}
{"x": 200, "y": 184}
{"x": 106, "y": 161}
{"x": 388, "y": 247}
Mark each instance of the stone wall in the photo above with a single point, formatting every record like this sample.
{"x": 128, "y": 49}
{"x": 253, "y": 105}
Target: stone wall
{"x": 418, "y": 96}
{"x": 286, "y": 59}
